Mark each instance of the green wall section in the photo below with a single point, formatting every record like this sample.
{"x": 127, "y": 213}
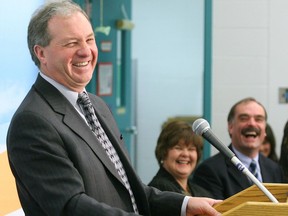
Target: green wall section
{"x": 207, "y": 70}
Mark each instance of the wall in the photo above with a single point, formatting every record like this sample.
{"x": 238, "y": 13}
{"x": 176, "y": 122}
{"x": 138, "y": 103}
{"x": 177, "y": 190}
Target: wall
{"x": 249, "y": 59}
{"x": 167, "y": 44}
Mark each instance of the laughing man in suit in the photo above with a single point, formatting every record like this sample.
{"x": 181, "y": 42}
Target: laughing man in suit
{"x": 246, "y": 127}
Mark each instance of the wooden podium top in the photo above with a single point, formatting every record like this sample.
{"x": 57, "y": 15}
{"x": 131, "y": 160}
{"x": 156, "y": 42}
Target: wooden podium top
{"x": 252, "y": 201}
{"x": 259, "y": 209}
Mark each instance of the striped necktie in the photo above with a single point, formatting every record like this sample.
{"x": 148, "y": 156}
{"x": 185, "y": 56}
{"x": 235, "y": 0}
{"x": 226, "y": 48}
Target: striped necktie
{"x": 95, "y": 126}
{"x": 253, "y": 168}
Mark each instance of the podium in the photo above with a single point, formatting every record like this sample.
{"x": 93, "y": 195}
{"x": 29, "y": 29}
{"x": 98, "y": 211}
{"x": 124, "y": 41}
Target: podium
{"x": 253, "y": 202}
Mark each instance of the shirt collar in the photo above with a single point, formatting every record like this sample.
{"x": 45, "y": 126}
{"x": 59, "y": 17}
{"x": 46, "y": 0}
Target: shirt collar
{"x": 71, "y": 96}
{"x": 245, "y": 159}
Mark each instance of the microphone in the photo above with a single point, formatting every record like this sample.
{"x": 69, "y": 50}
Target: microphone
{"x": 201, "y": 127}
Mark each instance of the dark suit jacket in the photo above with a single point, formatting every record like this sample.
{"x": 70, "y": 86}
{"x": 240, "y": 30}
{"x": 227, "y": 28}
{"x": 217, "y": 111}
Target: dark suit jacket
{"x": 164, "y": 181}
{"x": 60, "y": 167}
{"x": 220, "y": 177}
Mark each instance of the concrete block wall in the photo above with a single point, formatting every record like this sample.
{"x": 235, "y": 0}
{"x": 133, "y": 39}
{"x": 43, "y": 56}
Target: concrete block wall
{"x": 250, "y": 58}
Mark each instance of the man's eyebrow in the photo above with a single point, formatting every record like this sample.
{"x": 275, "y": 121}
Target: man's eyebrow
{"x": 68, "y": 39}
{"x": 243, "y": 114}
{"x": 247, "y": 115}
{"x": 91, "y": 35}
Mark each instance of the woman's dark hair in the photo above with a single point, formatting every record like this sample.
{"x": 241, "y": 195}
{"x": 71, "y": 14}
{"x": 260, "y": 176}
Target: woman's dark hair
{"x": 270, "y": 138}
{"x": 171, "y": 133}
{"x": 284, "y": 153}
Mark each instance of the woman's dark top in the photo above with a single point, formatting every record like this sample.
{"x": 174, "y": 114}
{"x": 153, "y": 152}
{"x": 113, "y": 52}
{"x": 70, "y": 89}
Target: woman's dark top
{"x": 164, "y": 181}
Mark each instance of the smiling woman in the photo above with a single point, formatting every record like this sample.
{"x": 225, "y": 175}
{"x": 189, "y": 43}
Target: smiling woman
{"x": 178, "y": 151}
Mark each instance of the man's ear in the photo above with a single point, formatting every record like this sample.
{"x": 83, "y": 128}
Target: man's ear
{"x": 39, "y": 52}
{"x": 230, "y": 126}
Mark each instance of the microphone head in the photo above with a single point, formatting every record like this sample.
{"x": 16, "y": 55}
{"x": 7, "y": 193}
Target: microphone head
{"x": 200, "y": 126}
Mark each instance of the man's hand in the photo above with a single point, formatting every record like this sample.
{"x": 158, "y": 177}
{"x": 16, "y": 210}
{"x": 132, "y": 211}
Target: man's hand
{"x": 202, "y": 206}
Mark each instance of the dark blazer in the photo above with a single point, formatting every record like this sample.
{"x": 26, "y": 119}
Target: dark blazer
{"x": 164, "y": 181}
{"x": 61, "y": 169}
{"x": 220, "y": 177}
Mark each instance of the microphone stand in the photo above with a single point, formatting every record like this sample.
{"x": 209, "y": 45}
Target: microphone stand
{"x": 246, "y": 171}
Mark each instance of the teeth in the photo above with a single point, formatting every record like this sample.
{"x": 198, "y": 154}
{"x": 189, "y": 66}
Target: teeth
{"x": 81, "y": 64}
{"x": 183, "y": 162}
{"x": 251, "y": 133}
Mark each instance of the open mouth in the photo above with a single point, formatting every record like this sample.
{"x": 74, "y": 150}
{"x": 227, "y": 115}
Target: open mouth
{"x": 81, "y": 64}
{"x": 183, "y": 162}
{"x": 250, "y": 132}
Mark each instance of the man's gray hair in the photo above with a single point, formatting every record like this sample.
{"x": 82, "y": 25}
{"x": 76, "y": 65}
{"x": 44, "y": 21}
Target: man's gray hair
{"x": 38, "y": 33}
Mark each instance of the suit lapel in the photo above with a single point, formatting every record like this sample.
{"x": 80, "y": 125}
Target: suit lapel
{"x": 81, "y": 128}
{"x": 266, "y": 176}
{"x": 236, "y": 175}
{"x": 74, "y": 121}
{"x": 111, "y": 130}
{"x": 116, "y": 140}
